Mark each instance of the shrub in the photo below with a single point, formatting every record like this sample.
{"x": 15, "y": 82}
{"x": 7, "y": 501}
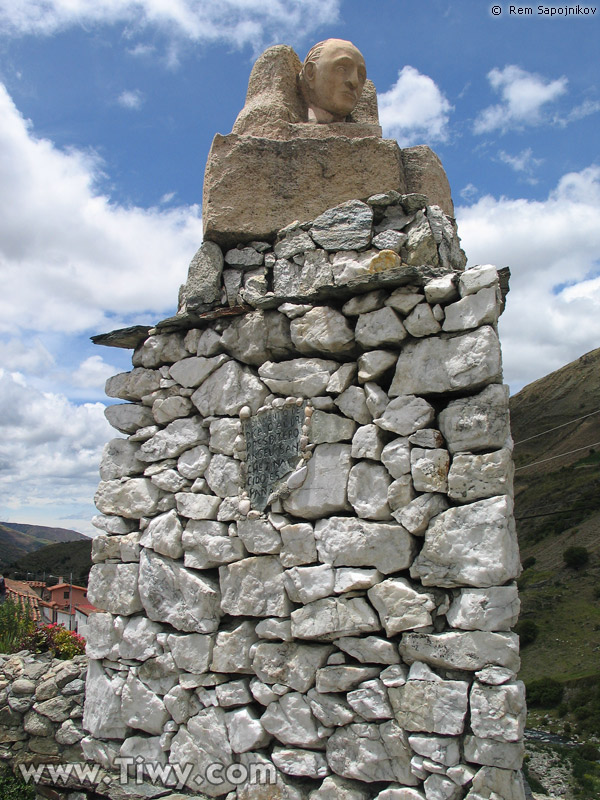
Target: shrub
{"x": 576, "y": 557}
{"x": 16, "y": 624}
{"x": 589, "y": 751}
{"x": 13, "y": 787}
{"x": 527, "y": 630}
{"x": 544, "y": 693}
{"x": 56, "y": 639}
{"x": 529, "y": 562}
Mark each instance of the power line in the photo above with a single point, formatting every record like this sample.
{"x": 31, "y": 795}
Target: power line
{"x": 585, "y": 416}
{"x": 560, "y": 455}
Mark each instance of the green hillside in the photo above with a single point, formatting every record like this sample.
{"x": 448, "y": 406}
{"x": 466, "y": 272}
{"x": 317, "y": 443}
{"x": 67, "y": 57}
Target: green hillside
{"x": 62, "y": 559}
{"x": 17, "y": 539}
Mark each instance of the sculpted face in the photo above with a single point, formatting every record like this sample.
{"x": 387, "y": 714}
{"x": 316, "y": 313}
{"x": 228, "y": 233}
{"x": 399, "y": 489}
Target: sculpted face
{"x": 334, "y": 80}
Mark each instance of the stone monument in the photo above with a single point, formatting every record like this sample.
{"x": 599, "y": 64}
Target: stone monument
{"x": 307, "y": 557}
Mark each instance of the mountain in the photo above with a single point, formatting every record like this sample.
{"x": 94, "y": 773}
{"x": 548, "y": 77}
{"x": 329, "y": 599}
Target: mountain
{"x": 17, "y": 539}
{"x": 64, "y": 559}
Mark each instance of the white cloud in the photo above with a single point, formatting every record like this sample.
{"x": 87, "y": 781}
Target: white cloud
{"x": 49, "y": 451}
{"x": 93, "y": 373}
{"x": 238, "y": 22}
{"x": 524, "y": 95}
{"x": 469, "y": 192}
{"x": 414, "y": 110}
{"x": 32, "y": 358}
{"x": 585, "y": 109}
{"x": 72, "y": 260}
{"x": 522, "y": 162}
{"x": 131, "y": 99}
{"x": 547, "y": 244}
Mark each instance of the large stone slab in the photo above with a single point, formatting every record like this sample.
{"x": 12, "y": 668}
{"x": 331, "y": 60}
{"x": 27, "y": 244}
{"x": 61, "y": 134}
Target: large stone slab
{"x": 131, "y": 498}
{"x": 290, "y": 663}
{"x": 324, "y": 490}
{"x": 183, "y": 598}
{"x": 468, "y": 650}
{"x": 477, "y": 423}
{"x": 332, "y": 617}
{"x": 228, "y": 389}
{"x": 471, "y": 545}
{"x": 432, "y": 706}
{"x": 436, "y": 366}
{"x": 369, "y": 752}
{"x": 114, "y": 588}
{"x": 351, "y": 542}
{"x": 301, "y": 377}
{"x": 254, "y": 587}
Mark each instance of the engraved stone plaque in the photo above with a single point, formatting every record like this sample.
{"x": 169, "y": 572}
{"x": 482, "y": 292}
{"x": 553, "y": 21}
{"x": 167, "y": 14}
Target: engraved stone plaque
{"x": 273, "y": 449}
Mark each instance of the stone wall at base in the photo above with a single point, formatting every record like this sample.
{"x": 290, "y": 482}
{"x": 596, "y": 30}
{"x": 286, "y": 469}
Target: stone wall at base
{"x": 307, "y": 556}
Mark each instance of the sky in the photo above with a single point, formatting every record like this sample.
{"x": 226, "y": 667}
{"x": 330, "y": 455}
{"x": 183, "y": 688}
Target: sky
{"x": 107, "y": 112}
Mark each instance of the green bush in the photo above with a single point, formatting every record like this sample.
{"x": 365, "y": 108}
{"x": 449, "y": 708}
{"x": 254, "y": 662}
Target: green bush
{"x": 576, "y": 557}
{"x": 16, "y": 624}
{"x": 529, "y": 562}
{"x": 544, "y": 693}
{"x": 55, "y": 639}
{"x": 13, "y": 787}
{"x": 527, "y": 630}
{"x": 589, "y": 751}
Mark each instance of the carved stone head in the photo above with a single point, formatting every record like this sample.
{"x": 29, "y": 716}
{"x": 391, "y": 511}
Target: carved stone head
{"x": 332, "y": 80}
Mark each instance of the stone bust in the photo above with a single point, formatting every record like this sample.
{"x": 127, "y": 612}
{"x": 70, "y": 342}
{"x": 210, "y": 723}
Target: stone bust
{"x": 331, "y": 80}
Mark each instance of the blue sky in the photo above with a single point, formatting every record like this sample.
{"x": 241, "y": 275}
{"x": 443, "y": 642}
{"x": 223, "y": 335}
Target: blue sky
{"x": 107, "y": 112}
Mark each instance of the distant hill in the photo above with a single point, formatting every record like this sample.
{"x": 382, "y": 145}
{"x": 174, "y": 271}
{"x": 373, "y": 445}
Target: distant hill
{"x": 557, "y": 506}
{"x": 61, "y": 559}
{"x": 17, "y": 539}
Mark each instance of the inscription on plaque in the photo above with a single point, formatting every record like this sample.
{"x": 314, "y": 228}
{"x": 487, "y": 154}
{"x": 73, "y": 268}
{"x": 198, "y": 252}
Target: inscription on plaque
{"x": 273, "y": 448}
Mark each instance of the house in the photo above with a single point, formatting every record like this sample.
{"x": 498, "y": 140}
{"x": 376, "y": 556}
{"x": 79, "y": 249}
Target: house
{"x": 23, "y": 595}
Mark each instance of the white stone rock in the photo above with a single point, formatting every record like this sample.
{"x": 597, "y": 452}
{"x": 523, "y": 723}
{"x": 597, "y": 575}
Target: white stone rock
{"x": 290, "y": 721}
{"x": 415, "y": 517}
{"x": 223, "y": 433}
{"x": 348, "y": 264}
{"x": 369, "y": 649}
{"x": 114, "y": 588}
{"x": 406, "y": 414}
{"x": 477, "y": 423}
{"x": 228, "y": 389}
{"x": 259, "y": 536}
{"x": 322, "y": 330}
{"x": 495, "y": 676}
{"x": 331, "y": 617}
{"x": 178, "y": 436}
{"x": 377, "y": 328}
{"x": 370, "y": 701}
{"x": 207, "y": 544}
{"x": 476, "y": 278}
{"x": 131, "y": 498}
{"x": 181, "y": 704}
{"x": 441, "y": 290}
{"x": 473, "y": 545}
{"x": 279, "y": 629}
{"x": 473, "y": 477}
{"x": 119, "y": 459}
{"x": 506, "y": 755}
{"x": 353, "y": 404}
{"x": 436, "y": 366}
{"x": 363, "y": 303}
{"x": 305, "y": 584}
{"x": 400, "y": 493}
{"x": 421, "y": 322}
{"x": 498, "y": 712}
{"x": 128, "y": 417}
{"x": 208, "y": 342}
{"x": 368, "y": 490}
{"x": 396, "y": 457}
{"x": 167, "y": 409}
{"x": 142, "y": 708}
{"x": 163, "y": 535}
{"x": 254, "y": 587}
{"x": 324, "y": 490}
{"x": 400, "y": 606}
{"x": 289, "y": 663}
{"x": 178, "y": 596}
{"x": 262, "y": 693}
{"x": 438, "y": 787}
{"x": 343, "y": 677}
{"x": 441, "y": 749}
{"x": 427, "y": 437}
{"x": 492, "y": 609}
{"x": 197, "y": 506}
{"x": 330, "y": 428}
{"x": 139, "y": 639}
{"x": 231, "y": 651}
{"x": 342, "y": 378}
{"x": 431, "y": 706}
{"x": 117, "y": 525}
{"x": 245, "y": 730}
{"x": 461, "y": 774}
{"x": 192, "y": 652}
{"x": 395, "y": 675}
{"x": 169, "y": 480}
{"x": 468, "y": 650}
{"x": 367, "y": 442}
{"x": 133, "y": 385}
{"x": 429, "y": 469}
{"x": 102, "y": 716}
{"x": 372, "y": 365}
{"x": 202, "y": 742}
{"x": 330, "y": 709}
{"x": 160, "y": 349}
{"x": 400, "y": 793}
{"x": 300, "y": 377}
{"x": 224, "y": 476}
{"x": 370, "y": 753}
{"x": 103, "y": 637}
{"x": 350, "y": 579}
{"x": 376, "y": 399}
{"x": 298, "y": 545}
{"x": 301, "y": 763}
{"x": 234, "y": 693}
{"x": 345, "y": 227}
{"x": 191, "y": 372}
{"x": 482, "y": 308}
{"x": 193, "y": 463}
{"x": 491, "y": 783}
{"x": 404, "y": 300}
{"x": 350, "y": 542}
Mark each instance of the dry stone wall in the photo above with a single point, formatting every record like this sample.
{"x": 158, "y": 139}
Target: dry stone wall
{"x": 307, "y": 556}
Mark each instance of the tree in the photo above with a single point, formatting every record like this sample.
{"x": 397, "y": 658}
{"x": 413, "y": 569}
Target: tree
{"x": 576, "y": 557}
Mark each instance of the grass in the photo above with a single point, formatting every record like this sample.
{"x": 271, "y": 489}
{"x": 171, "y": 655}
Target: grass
{"x": 13, "y": 787}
